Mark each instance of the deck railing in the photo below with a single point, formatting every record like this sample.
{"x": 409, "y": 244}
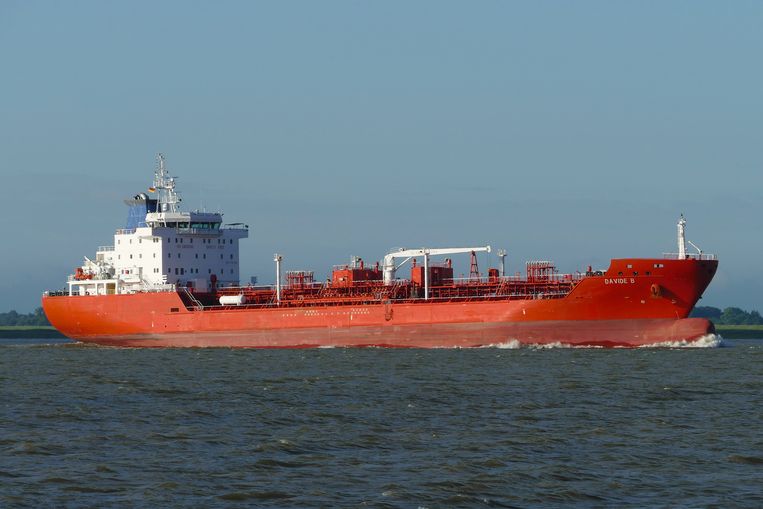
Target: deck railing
{"x": 689, "y": 256}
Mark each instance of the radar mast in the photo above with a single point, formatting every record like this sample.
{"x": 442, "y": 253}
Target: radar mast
{"x": 164, "y": 183}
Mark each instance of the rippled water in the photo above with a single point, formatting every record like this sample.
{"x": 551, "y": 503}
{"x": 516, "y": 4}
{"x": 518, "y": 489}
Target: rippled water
{"x": 100, "y": 427}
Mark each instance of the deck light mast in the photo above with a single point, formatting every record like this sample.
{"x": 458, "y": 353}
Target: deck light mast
{"x": 502, "y": 257}
{"x": 278, "y": 258}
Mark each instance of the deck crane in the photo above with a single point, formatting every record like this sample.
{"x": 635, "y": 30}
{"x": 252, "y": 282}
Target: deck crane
{"x": 390, "y": 268}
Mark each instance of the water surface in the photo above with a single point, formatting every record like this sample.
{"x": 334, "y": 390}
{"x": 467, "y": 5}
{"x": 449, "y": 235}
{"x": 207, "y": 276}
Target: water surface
{"x": 86, "y": 426}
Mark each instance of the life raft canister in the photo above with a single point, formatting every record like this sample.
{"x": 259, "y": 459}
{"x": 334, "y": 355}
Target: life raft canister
{"x": 656, "y": 290}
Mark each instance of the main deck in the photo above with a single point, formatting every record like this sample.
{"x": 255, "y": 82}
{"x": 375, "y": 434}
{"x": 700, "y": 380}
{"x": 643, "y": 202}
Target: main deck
{"x": 376, "y": 292}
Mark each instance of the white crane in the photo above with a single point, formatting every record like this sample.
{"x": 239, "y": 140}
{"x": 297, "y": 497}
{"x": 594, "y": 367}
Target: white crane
{"x": 390, "y": 268}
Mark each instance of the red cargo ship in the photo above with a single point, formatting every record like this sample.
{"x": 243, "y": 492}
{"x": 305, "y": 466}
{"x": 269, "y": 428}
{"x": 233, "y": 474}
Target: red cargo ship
{"x": 172, "y": 280}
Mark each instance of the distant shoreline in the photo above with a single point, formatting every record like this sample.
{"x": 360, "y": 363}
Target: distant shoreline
{"x": 11, "y": 331}
{"x": 740, "y": 331}
{"x": 29, "y": 331}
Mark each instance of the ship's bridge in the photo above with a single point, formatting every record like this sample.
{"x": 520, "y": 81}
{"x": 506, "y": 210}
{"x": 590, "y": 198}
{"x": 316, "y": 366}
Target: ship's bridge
{"x": 201, "y": 221}
{"x": 162, "y": 246}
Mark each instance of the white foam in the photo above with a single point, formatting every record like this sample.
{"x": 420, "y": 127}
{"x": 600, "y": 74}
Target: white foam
{"x": 706, "y": 341}
{"x": 515, "y": 344}
{"x": 512, "y": 344}
{"x": 559, "y": 344}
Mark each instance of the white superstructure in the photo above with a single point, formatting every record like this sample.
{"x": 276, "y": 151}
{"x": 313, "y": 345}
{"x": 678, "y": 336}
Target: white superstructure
{"x": 163, "y": 247}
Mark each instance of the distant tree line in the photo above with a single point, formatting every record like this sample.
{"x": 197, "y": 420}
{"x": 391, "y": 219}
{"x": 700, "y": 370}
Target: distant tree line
{"x": 729, "y": 316}
{"x": 13, "y": 318}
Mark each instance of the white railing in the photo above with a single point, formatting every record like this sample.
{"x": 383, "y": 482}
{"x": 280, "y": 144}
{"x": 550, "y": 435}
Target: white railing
{"x": 104, "y": 248}
{"x": 158, "y": 288}
{"x": 689, "y": 256}
{"x": 95, "y": 278}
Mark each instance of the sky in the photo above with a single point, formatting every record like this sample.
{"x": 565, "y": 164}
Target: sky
{"x": 568, "y": 131}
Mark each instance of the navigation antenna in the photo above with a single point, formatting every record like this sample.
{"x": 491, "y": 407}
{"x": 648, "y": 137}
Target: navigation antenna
{"x": 164, "y": 183}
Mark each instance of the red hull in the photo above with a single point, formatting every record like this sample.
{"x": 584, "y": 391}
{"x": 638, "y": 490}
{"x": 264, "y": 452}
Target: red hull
{"x": 649, "y": 306}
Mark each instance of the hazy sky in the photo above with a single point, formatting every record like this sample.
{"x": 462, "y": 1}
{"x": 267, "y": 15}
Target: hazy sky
{"x": 570, "y": 131}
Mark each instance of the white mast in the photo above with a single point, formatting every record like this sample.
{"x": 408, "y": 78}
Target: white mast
{"x": 278, "y": 259}
{"x": 682, "y": 238}
{"x": 165, "y": 184}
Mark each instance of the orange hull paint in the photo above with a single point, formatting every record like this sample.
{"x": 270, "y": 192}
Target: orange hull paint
{"x": 634, "y": 303}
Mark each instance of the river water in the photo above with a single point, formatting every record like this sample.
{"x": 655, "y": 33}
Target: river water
{"x": 84, "y": 426}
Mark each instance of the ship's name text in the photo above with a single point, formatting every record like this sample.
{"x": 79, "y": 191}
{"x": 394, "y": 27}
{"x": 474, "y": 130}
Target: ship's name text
{"x": 619, "y": 281}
